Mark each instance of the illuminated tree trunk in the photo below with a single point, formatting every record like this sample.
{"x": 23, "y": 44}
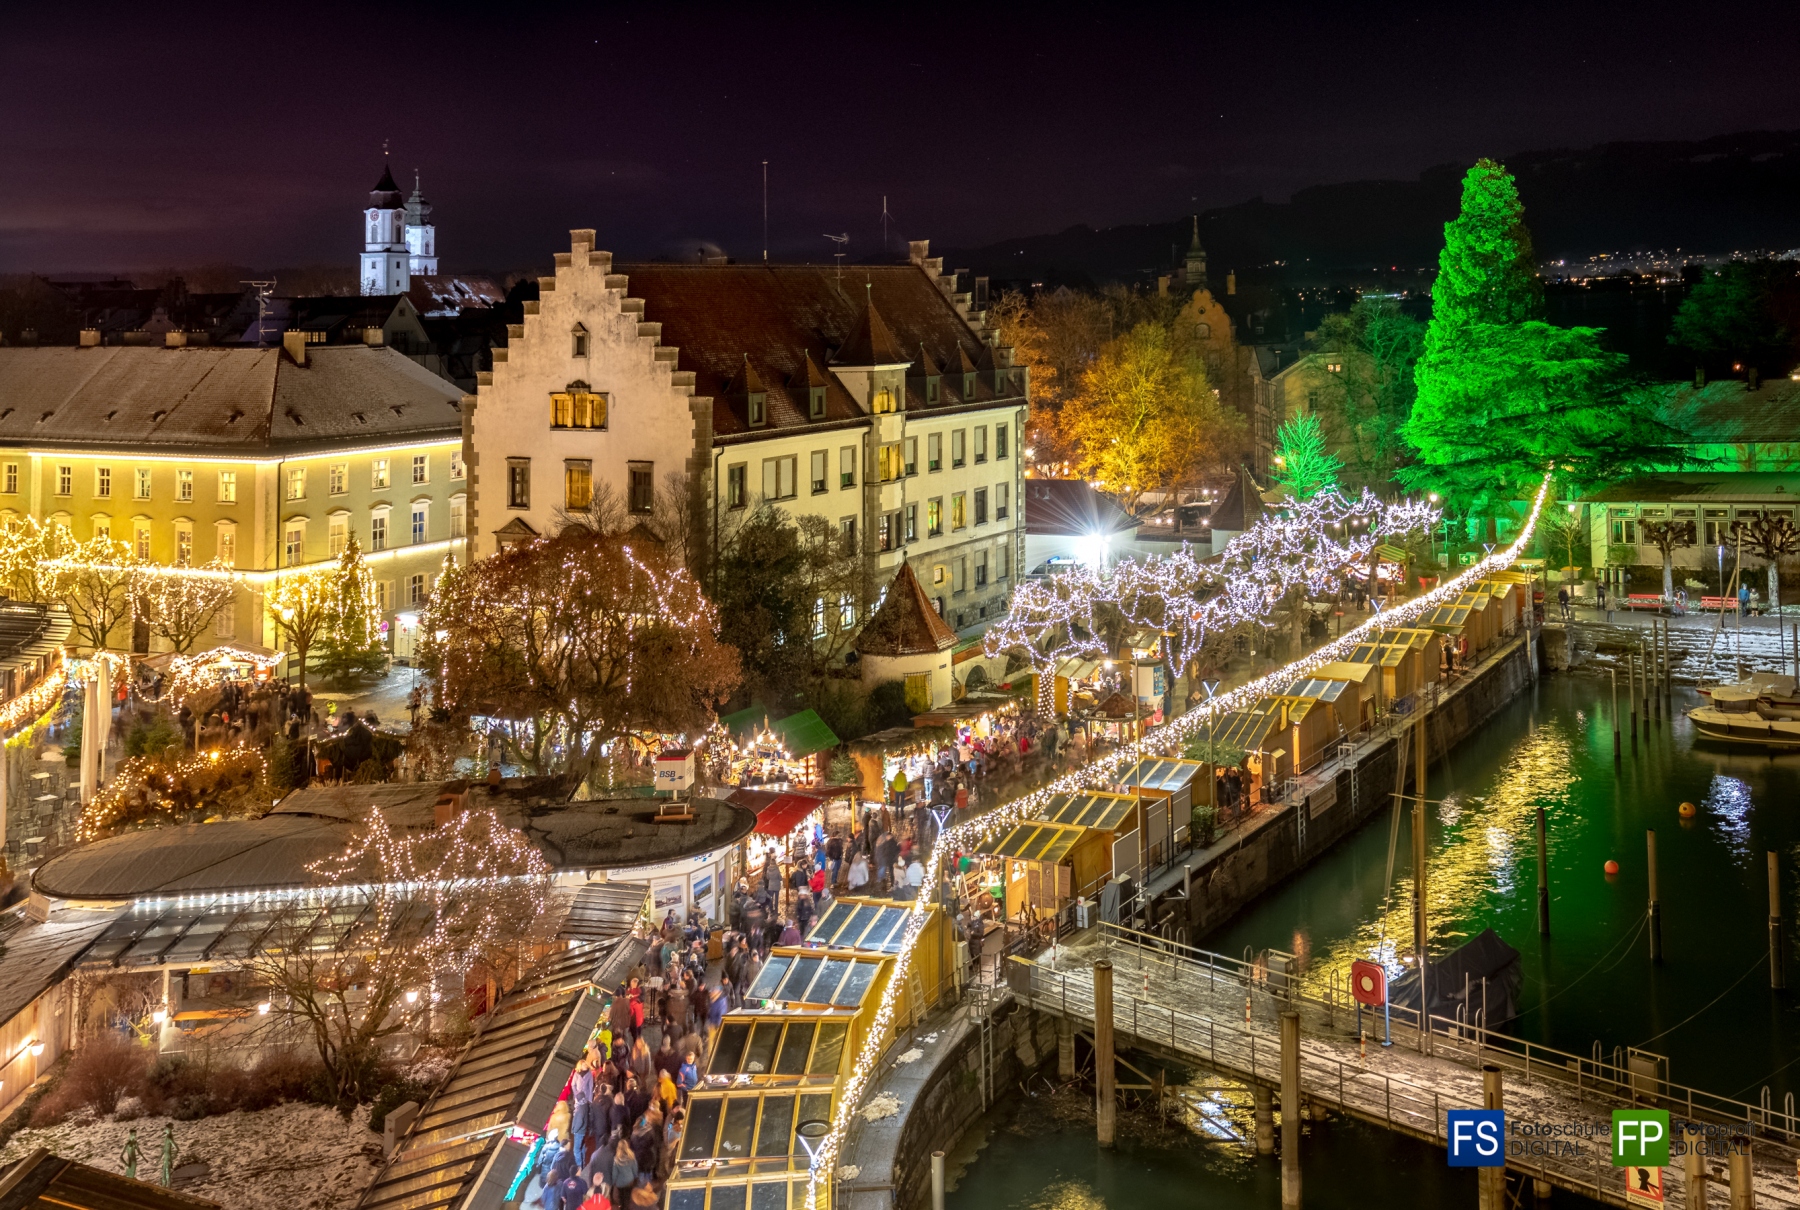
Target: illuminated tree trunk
{"x": 1774, "y": 583}
{"x": 1668, "y": 574}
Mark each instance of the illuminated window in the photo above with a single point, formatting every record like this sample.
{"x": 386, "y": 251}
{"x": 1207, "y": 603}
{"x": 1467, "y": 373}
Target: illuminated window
{"x": 143, "y": 483}
{"x": 378, "y": 529}
{"x": 934, "y": 517}
{"x": 102, "y": 482}
{"x": 340, "y": 478}
{"x": 421, "y": 469}
{"x": 102, "y": 526}
{"x": 378, "y": 473}
{"x": 578, "y": 485}
{"x": 415, "y": 590}
{"x": 225, "y": 543}
{"x": 959, "y": 511}
{"x": 295, "y": 544}
{"x": 884, "y": 401}
{"x": 9, "y": 479}
{"x": 227, "y": 487}
{"x": 456, "y": 465}
{"x": 889, "y": 463}
{"x": 459, "y": 516}
{"x": 384, "y": 596}
{"x": 140, "y": 538}
{"x": 184, "y": 485}
{"x": 296, "y": 484}
{"x": 65, "y": 480}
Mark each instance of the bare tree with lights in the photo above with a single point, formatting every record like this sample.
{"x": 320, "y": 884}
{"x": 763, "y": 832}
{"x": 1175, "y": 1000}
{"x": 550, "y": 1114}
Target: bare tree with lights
{"x": 95, "y": 579}
{"x": 1666, "y": 536}
{"x": 404, "y": 919}
{"x": 182, "y": 608}
{"x": 580, "y": 639}
{"x": 302, "y": 606}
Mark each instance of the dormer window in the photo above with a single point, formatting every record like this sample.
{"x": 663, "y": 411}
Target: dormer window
{"x": 578, "y": 342}
{"x": 968, "y": 385}
{"x": 757, "y": 404}
{"x": 884, "y": 401}
{"x": 816, "y": 407}
{"x": 931, "y": 389}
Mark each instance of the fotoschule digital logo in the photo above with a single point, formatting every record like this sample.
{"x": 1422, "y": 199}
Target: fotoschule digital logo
{"x": 1477, "y": 1138}
{"x": 1640, "y": 1137}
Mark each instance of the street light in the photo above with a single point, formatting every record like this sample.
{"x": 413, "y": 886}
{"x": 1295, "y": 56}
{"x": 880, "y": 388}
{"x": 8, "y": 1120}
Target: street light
{"x": 809, "y": 1133}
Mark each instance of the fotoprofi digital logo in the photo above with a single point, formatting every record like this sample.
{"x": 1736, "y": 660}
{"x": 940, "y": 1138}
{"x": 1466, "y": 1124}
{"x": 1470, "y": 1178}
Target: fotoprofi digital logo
{"x": 1640, "y": 1138}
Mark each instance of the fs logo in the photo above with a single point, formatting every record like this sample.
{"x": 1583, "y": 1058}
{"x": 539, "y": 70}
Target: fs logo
{"x": 1477, "y": 1138}
{"x": 1640, "y": 1138}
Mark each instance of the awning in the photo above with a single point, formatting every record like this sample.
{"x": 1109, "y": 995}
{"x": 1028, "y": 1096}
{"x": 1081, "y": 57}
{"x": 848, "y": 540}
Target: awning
{"x": 786, "y": 813}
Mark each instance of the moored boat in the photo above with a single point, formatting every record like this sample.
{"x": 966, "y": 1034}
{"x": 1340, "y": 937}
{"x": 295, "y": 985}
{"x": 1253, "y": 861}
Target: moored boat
{"x": 1739, "y": 715}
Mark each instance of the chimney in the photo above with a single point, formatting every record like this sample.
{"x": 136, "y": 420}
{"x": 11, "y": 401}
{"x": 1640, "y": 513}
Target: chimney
{"x": 374, "y": 337}
{"x": 174, "y": 340}
{"x": 90, "y": 338}
{"x": 1231, "y": 282}
{"x": 1162, "y": 285}
{"x": 294, "y": 343}
{"x": 453, "y": 800}
{"x": 917, "y": 250}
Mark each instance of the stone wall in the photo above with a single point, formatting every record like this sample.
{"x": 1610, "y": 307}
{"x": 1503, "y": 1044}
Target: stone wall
{"x": 1231, "y": 874}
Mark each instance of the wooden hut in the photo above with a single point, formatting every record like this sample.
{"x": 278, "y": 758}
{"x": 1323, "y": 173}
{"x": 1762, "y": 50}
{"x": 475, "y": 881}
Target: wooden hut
{"x": 1362, "y": 678}
{"x": 1343, "y": 697}
{"x": 1312, "y": 730}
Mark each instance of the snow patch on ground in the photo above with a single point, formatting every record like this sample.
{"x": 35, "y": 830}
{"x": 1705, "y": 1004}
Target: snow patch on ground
{"x": 296, "y": 1156}
{"x": 883, "y": 1105}
{"x": 911, "y": 1056}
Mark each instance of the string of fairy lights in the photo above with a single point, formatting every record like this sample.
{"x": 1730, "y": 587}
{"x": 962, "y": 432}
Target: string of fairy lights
{"x": 1158, "y": 742}
{"x": 1306, "y": 546}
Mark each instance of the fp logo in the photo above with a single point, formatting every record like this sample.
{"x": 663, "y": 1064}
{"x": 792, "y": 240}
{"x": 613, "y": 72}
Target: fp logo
{"x": 1477, "y": 1137}
{"x": 1640, "y": 1137}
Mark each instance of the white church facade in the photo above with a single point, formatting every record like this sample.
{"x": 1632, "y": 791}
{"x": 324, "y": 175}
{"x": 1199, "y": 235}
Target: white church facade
{"x": 399, "y": 240}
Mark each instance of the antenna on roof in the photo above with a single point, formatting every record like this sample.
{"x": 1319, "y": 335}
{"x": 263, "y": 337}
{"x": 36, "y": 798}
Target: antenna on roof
{"x": 841, "y": 241}
{"x": 263, "y": 290}
{"x": 765, "y": 212}
{"x": 884, "y": 224}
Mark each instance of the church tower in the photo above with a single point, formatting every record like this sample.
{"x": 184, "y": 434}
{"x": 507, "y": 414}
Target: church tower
{"x": 1194, "y": 271}
{"x": 384, "y": 257}
{"x": 421, "y": 235}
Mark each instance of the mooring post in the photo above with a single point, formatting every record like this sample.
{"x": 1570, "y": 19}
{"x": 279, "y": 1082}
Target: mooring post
{"x": 1492, "y": 1188}
{"x": 1693, "y": 1170}
{"x": 1655, "y": 907}
{"x": 1103, "y": 1050}
{"x": 1265, "y": 1119}
{"x": 1543, "y": 876}
{"x": 1290, "y": 1111}
{"x": 1421, "y": 926}
{"x": 1777, "y": 976}
{"x": 1631, "y": 679}
{"x": 1065, "y": 1049}
{"x": 937, "y": 1180}
{"x": 1617, "y": 749}
{"x": 1743, "y": 1175}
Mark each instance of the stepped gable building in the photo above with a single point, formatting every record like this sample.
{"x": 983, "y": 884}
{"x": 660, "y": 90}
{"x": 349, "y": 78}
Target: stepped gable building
{"x": 876, "y": 397}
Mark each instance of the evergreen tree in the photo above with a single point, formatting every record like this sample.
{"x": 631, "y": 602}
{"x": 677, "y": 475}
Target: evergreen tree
{"x": 352, "y": 645}
{"x": 1503, "y": 396}
{"x": 1304, "y": 466}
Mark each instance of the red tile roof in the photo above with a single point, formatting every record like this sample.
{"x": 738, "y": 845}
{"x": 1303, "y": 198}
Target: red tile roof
{"x": 782, "y": 315}
{"x": 906, "y": 623}
{"x": 871, "y": 343}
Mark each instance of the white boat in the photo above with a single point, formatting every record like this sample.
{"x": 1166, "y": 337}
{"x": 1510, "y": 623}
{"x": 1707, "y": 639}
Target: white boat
{"x": 1740, "y": 716}
{"x": 1775, "y": 688}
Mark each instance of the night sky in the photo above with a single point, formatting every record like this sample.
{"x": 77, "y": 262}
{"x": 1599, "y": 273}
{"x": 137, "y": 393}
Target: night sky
{"x": 151, "y": 136}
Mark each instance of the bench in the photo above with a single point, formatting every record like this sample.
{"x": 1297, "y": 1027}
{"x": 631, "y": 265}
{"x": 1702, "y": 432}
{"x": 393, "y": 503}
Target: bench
{"x": 1644, "y": 600}
{"x": 1719, "y": 603}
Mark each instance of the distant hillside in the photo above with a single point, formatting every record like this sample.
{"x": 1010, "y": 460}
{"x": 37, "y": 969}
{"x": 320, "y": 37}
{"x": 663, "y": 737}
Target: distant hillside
{"x": 1735, "y": 191}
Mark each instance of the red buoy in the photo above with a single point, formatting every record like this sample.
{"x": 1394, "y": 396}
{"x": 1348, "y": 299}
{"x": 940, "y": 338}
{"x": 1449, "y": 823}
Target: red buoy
{"x": 1612, "y": 867}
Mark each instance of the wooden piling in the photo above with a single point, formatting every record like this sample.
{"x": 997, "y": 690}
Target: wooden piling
{"x": 1491, "y": 1190}
{"x": 1694, "y": 1174}
{"x": 1290, "y": 1111}
{"x": 1617, "y": 750}
{"x": 1065, "y": 1049}
{"x": 1743, "y": 1176}
{"x": 1655, "y": 906}
{"x": 937, "y": 1180}
{"x": 1777, "y": 975}
{"x": 1104, "y": 1090}
{"x": 1265, "y": 1118}
{"x": 1543, "y": 846}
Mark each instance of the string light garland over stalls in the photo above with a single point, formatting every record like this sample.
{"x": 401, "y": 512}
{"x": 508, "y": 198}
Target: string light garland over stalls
{"x": 1160, "y": 741}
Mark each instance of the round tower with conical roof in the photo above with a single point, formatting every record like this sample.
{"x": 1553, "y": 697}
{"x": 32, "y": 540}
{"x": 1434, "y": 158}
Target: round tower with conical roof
{"x": 385, "y": 256}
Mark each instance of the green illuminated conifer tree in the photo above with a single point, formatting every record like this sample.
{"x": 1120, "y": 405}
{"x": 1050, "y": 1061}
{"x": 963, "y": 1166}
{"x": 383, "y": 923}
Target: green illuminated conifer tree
{"x": 1303, "y": 466}
{"x": 1503, "y": 396}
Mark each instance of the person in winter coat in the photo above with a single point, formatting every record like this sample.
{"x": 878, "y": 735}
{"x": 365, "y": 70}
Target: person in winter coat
{"x": 671, "y": 1139}
{"x": 715, "y": 1011}
{"x": 689, "y": 1076}
{"x": 668, "y": 1059}
{"x": 618, "y": 1016}
{"x": 644, "y": 1142}
{"x": 624, "y": 1174}
{"x": 804, "y": 913}
{"x": 644, "y": 1197}
{"x": 859, "y": 874}
{"x": 678, "y": 1011}
{"x": 666, "y": 1092}
{"x": 642, "y": 1065}
{"x": 790, "y": 935}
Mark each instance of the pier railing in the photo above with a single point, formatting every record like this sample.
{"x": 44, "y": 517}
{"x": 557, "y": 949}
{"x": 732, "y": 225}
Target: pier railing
{"x": 1327, "y": 1009}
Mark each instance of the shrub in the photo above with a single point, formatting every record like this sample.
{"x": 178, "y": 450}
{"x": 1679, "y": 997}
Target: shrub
{"x": 107, "y": 1068}
{"x": 152, "y": 738}
{"x": 391, "y": 1096}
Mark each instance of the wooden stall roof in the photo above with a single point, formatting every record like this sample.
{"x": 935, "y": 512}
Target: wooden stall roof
{"x": 1446, "y": 617}
{"x": 1248, "y": 729}
{"x": 779, "y": 1046}
{"x": 803, "y": 976}
{"x": 1314, "y": 687}
{"x": 1344, "y": 671}
{"x": 1388, "y": 655}
{"x": 1090, "y": 809}
{"x": 861, "y": 924}
{"x": 1038, "y": 842}
{"x": 1166, "y": 773}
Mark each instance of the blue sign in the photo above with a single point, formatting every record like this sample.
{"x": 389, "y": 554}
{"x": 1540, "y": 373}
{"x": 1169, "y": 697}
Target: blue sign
{"x": 1477, "y": 1138}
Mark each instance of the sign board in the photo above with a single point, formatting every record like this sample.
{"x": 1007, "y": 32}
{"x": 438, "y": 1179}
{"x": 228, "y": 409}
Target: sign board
{"x": 1368, "y": 983}
{"x": 674, "y": 770}
{"x": 1322, "y": 799}
{"x": 1640, "y": 1137}
{"x": 1643, "y": 1186}
{"x": 1476, "y": 1137}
